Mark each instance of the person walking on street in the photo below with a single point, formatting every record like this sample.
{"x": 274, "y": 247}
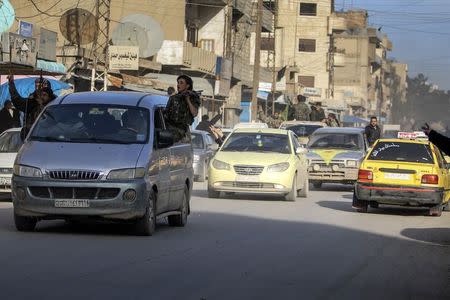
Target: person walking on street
{"x": 9, "y": 117}
{"x": 34, "y": 104}
{"x": 441, "y": 141}
{"x": 373, "y": 131}
{"x": 181, "y": 109}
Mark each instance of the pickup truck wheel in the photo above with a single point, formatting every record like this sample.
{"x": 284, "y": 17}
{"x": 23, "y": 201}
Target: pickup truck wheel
{"x": 146, "y": 225}
{"x": 181, "y": 219}
{"x": 359, "y": 205}
{"x": 24, "y": 223}
{"x": 305, "y": 190}
{"x": 292, "y": 196}
{"x": 212, "y": 193}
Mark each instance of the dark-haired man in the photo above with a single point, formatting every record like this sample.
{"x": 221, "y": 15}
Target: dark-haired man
{"x": 373, "y": 131}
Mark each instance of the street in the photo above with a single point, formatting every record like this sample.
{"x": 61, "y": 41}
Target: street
{"x": 259, "y": 248}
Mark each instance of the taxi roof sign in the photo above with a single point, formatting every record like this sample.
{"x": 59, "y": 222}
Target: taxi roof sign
{"x": 414, "y": 135}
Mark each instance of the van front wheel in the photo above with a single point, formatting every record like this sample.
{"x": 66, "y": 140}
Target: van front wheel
{"x": 147, "y": 224}
{"x": 181, "y": 219}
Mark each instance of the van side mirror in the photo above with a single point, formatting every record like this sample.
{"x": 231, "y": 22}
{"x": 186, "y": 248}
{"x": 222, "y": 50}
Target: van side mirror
{"x": 164, "y": 138}
{"x": 301, "y": 151}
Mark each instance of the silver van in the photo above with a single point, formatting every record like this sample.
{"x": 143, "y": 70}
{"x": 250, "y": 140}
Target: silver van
{"x": 103, "y": 155}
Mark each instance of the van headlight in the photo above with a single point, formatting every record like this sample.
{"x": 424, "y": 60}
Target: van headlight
{"x": 281, "y": 167}
{"x": 220, "y": 165}
{"x": 132, "y": 173}
{"x": 27, "y": 171}
{"x": 352, "y": 163}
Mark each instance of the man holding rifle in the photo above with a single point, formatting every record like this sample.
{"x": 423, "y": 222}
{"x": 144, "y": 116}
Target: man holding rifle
{"x": 34, "y": 104}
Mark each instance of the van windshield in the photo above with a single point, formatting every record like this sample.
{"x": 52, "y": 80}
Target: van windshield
{"x": 93, "y": 123}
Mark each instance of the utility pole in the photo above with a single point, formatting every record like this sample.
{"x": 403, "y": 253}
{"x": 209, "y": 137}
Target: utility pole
{"x": 228, "y": 29}
{"x": 274, "y": 60}
{"x": 101, "y": 44}
{"x": 256, "y": 66}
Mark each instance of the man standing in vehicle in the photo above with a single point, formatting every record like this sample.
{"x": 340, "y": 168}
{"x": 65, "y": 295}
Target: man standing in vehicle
{"x": 301, "y": 110}
{"x": 9, "y": 117}
{"x": 181, "y": 109}
{"x": 373, "y": 131}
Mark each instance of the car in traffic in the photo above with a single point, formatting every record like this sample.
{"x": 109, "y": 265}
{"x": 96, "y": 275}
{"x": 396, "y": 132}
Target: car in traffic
{"x": 204, "y": 148}
{"x": 260, "y": 161}
{"x": 103, "y": 155}
{"x": 302, "y": 129}
{"x": 335, "y": 154}
{"x": 10, "y": 143}
{"x": 403, "y": 172}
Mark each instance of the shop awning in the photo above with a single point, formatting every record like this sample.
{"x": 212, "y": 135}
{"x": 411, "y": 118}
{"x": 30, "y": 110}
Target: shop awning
{"x": 50, "y": 66}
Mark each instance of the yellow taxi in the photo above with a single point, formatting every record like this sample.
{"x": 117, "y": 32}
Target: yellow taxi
{"x": 406, "y": 171}
{"x": 260, "y": 161}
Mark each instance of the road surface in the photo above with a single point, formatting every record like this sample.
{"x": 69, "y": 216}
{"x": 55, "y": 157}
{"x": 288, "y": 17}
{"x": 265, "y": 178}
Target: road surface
{"x": 257, "y": 248}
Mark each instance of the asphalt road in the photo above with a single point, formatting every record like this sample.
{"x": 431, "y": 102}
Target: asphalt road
{"x": 257, "y": 248}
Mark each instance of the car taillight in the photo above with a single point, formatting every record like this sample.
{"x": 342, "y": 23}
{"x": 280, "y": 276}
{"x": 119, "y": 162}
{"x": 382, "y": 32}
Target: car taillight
{"x": 430, "y": 179}
{"x": 365, "y": 176}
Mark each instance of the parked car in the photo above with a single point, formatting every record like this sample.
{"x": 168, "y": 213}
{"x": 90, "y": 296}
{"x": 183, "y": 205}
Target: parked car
{"x": 104, "y": 155}
{"x": 204, "y": 148}
{"x": 302, "y": 129}
{"x": 260, "y": 161}
{"x": 405, "y": 172}
{"x": 335, "y": 154}
{"x": 10, "y": 143}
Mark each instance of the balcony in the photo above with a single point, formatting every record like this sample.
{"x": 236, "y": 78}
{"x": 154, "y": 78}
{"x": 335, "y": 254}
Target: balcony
{"x": 179, "y": 53}
{"x": 336, "y": 24}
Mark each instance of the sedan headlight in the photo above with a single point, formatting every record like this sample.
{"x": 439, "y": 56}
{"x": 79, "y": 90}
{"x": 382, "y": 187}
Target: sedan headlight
{"x": 352, "y": 163}
{"x": 131, "y": 173}
{"x": 26, "y": 171}
{"x": 281, "y": 167}
{"x": 220, "y": 165}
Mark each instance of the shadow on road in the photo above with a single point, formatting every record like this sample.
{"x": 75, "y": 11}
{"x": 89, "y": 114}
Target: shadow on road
{"x": 382, "y": 210}
{"x": 439, "y": 236}
{"x": 334, "y": 187}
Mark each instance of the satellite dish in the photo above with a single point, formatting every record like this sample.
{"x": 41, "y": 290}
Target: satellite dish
{"x": 7, "y": 15}
{"x": 78, "y": 26}
{"x": 139, "y": 30}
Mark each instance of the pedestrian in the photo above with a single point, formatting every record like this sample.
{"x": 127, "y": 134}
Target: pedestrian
{"x": 373, "y": 131}
{"x": 9, "y": 117}
{"x": 205, "y": 124}
{"x": 441, "y": 141}
{"x": 181, "y": 109}
{"x": 317, "y": 112}
{"x": 34, "y": 104}
{"x": 332, "y": 121}
{"x": 170, "y": 91}
{"x": 301, "y": 111}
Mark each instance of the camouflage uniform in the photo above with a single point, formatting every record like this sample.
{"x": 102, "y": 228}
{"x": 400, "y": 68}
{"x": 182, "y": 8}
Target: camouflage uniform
{"x": 301, "y": 111}
{"x": 178, "y": 116}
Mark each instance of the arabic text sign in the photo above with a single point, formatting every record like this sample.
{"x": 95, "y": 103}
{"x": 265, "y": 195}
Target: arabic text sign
{"x": 123, "y": 58}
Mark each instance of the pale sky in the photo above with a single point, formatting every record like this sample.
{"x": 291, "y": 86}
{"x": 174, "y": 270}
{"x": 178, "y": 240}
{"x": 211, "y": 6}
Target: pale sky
{"x": 419, "y": 30}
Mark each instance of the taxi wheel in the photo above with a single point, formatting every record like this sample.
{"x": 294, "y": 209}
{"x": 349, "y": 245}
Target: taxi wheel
{"x": 292, "y": 196}
{"x": 147, "y": 224}
{"x": 361, "y": 206}
{"x": 181, "y": 219}
{"x": 435, "y": 211}
{"x": 24, "y": 223}
{"x": 305, "y": 190}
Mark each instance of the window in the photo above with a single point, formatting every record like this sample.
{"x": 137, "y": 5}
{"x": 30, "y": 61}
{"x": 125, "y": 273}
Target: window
{"x": 308, "y": 9}
{"x": 10, "y": 142}
{"x": 306, "y": 81}
{"x": 207, "y": 45}
{"x": 192, "y": 35}
{"x": 345, "y": 141}
{"x": 405, "y": 152}
{"x": 307, "y": 45}
{"x": 257, "y": 142}
{"x": 267, "y": 44}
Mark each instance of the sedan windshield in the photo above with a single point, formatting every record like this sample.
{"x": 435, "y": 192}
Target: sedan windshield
{"x": 10, "y": 142}
{"x": 92, "y": 123}
{"x": 346, "y": 141}
{"x": 258, "y": 142}
{"x": 303, "y": 130}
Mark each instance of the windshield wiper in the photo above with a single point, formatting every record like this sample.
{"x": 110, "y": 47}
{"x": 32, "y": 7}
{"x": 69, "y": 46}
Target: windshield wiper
{"x": 99, "y": 140}
{"x": 46, "y": 139}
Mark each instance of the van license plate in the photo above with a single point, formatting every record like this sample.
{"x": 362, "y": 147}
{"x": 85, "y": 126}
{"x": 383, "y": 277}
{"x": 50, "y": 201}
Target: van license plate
{"x": 396, "y": 176}
{"x": 247, "y": 178}
{"x": 5, "y": 181}
{"x": 72, "y": 203}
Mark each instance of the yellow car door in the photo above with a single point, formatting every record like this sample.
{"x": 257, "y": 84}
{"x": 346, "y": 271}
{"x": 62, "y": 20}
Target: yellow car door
{"x": 300, "y": 160}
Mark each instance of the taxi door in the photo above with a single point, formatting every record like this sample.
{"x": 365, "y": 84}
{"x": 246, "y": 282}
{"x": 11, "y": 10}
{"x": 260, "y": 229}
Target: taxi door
{"x": 444, "y": 172}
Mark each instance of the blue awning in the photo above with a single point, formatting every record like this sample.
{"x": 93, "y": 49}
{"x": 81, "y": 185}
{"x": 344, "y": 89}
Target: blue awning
{"x": 354, "y": 119}
{"x": 50, "y": 66}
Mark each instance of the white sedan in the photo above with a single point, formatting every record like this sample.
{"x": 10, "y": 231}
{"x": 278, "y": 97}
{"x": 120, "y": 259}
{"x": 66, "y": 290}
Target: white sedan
{"x": 10, "y": 143}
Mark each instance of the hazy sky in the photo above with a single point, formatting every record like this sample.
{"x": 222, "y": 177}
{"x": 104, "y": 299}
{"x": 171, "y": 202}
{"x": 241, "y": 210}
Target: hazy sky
{"x": 419, "y": 30}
